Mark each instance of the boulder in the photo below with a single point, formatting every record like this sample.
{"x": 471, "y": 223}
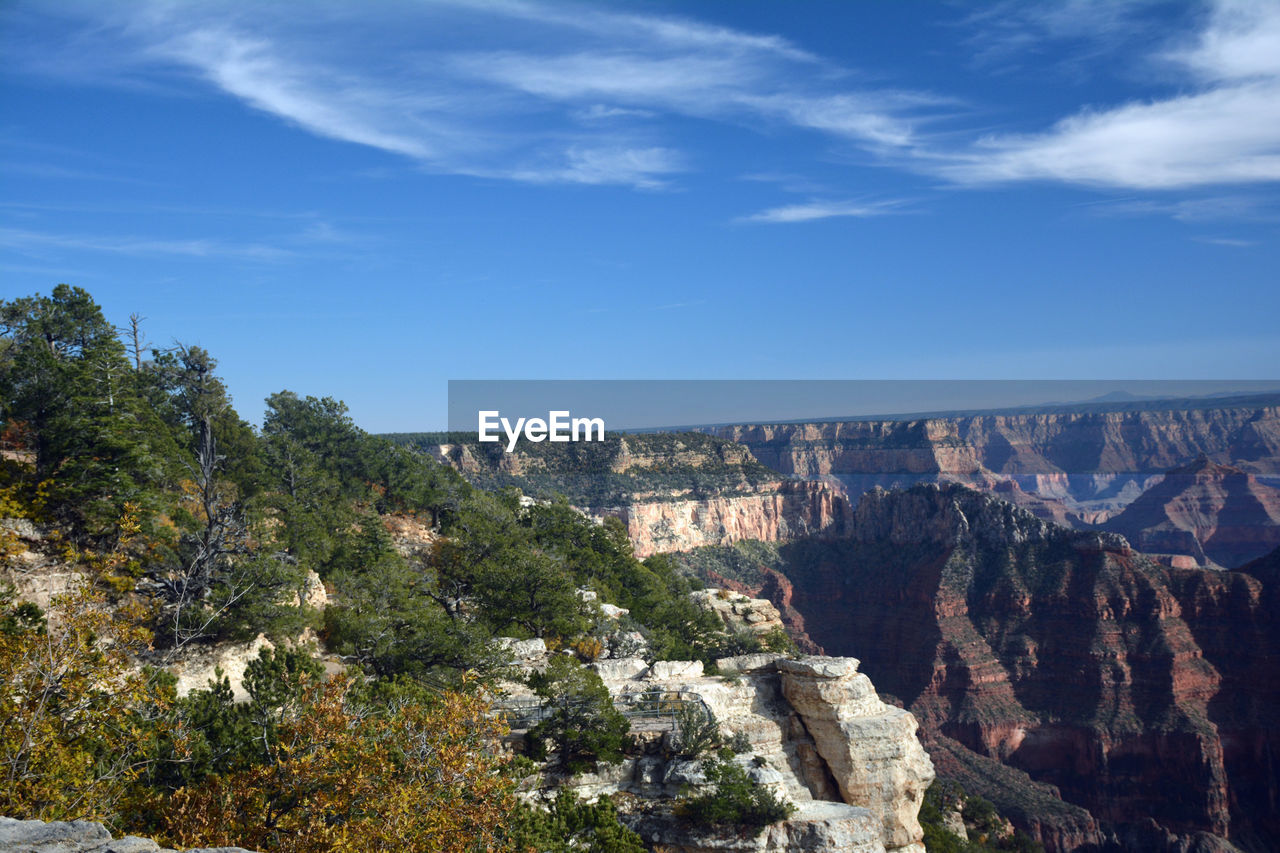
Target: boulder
{"x": 669, "y": 670}
{"x": 749, "y": 663}
{"x": 622, "y": 669}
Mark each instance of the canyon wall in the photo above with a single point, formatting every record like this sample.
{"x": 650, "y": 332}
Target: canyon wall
{"x": 1095, "y": 696}
{"x": 1217, "y": 514}
{"x": 673, "y": 491}
{"x": 1093, "y": 461}
{"x": 776, "y": 512}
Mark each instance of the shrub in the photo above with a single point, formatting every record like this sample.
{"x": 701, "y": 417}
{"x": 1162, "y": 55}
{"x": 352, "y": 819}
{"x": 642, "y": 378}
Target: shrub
{"x": 777, "y": 640}
{"x": 737, "y": 801}
{"x": 583, "y": 728}
{"x": 696, "y": 731}
{"x": 570, "y": 825}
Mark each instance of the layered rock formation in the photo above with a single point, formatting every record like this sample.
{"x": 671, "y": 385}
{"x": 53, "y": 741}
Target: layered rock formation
{"x": 853, "y": 731}
{"x": 673, "y": 491}
{"x": 777, "y": 511}
{"x": 1091, "y": 461}
{"x": 1216, "y": 513}
{"x": 1046, "y": 663}
{"x": 740, "y": 614}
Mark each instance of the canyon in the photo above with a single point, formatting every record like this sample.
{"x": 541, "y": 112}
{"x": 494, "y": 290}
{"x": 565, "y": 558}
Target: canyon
{"x": 1097, "y": 697}
{"x": 1091, "y": 460}
{"x": 1215, "y": 514}
{"x": 1047, "y": 593}
{"x": 673, "y": 492}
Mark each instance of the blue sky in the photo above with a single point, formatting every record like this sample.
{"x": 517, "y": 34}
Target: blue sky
{"x": 366, "y": 200}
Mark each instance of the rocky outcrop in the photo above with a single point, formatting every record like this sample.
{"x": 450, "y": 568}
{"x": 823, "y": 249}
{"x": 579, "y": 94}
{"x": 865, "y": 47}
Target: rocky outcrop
{"x": 195, "y": 668}
{"x": 776, "y": 511}
{"x": 34, "y": 565}
{"x": 1134, "y": 691}
{"x": 80, "y": 836}
{"x": 673, "y": 491}
{"x": 740, "y": 613}
{"x": 1216, "y": 513}
{"x": 797, "y": 718}
{"x": 870, "y": 748}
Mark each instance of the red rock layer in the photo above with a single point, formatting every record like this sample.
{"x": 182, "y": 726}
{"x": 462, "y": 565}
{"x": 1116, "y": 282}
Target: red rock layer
{"x": 1147, "y": 696}
{"x": 1216, "y": 513}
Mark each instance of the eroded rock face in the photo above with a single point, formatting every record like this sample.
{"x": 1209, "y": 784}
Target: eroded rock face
{"x": 771, "y": 513}
{"x": 870, "y": 747}
{"x": 1086, "y": 457}
{"x": 740, "y": 613}
{"x": 202, "y": 664}
{"x": 1217, "y": 514}
{"x": 79, "y": 836}
{"x": 1133, "y": 691}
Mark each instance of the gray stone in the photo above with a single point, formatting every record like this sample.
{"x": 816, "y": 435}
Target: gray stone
{"x": 79, "y": 836}
{"x": 666, "y": 670}
{"x": 816, "y": 666}
{"x": 624, "y": 669}
{"x": 749, "y": 663}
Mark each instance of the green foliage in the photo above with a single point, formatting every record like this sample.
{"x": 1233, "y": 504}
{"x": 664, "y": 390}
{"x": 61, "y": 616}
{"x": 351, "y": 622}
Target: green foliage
{"x": 696, "y": 731}
{"x": 685, "y": 464}
{"x": 735, "y": 802}
{"x": 739, "y": 743}
{"x": 583, "y": 728}
{"x": 65, "y": 382}
{"x": 987, "y": 831}
{"x": 778, "y": 640}
{"x": 389, "y": 619}
{"x": 570, "y": 825}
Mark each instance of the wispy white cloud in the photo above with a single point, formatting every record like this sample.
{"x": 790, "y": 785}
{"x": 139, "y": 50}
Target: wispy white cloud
{"x": 501, "y": 103}
{"x": 1224, "y": 130}
{"x": 594, "y": 94}
{"x": 33, "y": 241}
{"x": 812, "y": 210}
{"x": 1005, "y": 34}
{"x": 637, "y": 167}
{"x": 1214, "y": 208}
{"x": 1231, "y": 242}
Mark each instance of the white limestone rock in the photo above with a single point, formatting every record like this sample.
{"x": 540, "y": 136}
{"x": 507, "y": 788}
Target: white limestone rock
{"x": 870, "y": 747}
{"x": 749, "y": 663}
{"x": 198, "y": 667}
{"x": 623, "y": 669}
{"x": 670, "y": 670}
{"x": 79, "y": 836}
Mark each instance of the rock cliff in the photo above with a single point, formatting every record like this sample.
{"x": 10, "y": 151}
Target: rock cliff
{"x": 1091, "y": 693}
{"x": 673, "y": 491}
{"x": 1218, "y": 514}
{"x": 777, "y": 511}
{"x": 1091, "y": 461}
